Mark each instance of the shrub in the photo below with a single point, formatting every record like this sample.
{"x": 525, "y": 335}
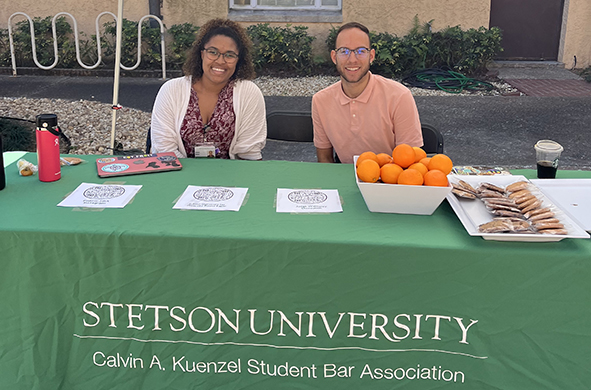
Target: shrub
{"x": 274, "y": 48}
{"x": 44, "y": 43}
{"x": 387, "y": 47}
{"x": 415, "y": 48}
{"x": 466, "y": 52}
{"x": 278, "y": 47}
{"x": 183, "y": 36}
{"x": 17, "y": 135}
{"x": 151, "y": 56}
{"x": 4, "y": 48}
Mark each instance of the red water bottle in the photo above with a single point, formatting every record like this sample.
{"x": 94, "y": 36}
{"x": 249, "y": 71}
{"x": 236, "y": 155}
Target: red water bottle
{"x": 48, "y": 148}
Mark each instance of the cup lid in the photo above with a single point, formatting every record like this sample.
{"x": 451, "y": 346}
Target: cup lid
{"x": 548, "y": 145}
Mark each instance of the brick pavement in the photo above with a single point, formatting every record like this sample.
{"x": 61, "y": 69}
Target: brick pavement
{"x": 552, "y": 88}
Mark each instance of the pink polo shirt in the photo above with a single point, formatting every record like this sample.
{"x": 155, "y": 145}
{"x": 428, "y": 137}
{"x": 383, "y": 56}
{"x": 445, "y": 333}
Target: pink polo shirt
{"x": 383, "y": 116}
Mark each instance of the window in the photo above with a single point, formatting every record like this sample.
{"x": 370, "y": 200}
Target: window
{"x": 286, "y": 11}
{"x": 285, "y": 4}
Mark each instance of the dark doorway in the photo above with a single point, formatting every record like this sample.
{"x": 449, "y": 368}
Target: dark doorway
{"x": 531, "y": 28}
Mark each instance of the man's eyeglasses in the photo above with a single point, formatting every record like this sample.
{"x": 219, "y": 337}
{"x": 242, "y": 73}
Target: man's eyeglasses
{"x": 360, "y": 52}
{"x": 213, "y": 54}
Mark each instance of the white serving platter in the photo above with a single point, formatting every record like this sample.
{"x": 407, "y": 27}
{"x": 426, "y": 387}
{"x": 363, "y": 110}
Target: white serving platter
{"x": 573, "y": 196}
{"x": 473, "y": 213}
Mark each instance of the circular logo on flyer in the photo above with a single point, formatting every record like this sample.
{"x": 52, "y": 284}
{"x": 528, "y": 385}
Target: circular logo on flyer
{"x": 166, "y": 158}
{"x": 213, "y": 194}
{"x": 307, "y": 197}
{"x": 114, "y": 168}
{"x": 105, "y": 160}
{"x": 104, "y": 192}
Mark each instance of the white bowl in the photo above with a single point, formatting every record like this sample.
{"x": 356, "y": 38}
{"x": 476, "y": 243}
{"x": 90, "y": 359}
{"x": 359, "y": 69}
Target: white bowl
{"x": 400, "y": 198}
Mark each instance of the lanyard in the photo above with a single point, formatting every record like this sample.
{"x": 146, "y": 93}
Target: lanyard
{"x": 205, "y": 130}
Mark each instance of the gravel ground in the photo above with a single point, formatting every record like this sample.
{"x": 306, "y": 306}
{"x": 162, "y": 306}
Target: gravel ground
{"x": 308, "y": 86}
{"x": 88, "y": 124}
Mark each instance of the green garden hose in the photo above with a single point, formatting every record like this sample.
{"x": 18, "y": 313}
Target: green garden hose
{"x": 445, "y": 80}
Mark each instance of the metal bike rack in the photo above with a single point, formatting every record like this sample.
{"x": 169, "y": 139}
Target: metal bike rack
{"x": 77, "y": 42}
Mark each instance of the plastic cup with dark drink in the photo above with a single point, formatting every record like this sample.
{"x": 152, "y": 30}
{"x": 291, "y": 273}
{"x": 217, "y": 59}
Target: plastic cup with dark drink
{"x": 547, "y": 155}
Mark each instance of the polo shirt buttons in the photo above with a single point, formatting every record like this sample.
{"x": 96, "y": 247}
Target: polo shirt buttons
{"x": 354, "y": 122}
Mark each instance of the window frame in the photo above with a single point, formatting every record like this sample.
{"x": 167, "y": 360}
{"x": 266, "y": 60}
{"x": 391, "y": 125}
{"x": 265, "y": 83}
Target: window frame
{"x": 317, "y": 6}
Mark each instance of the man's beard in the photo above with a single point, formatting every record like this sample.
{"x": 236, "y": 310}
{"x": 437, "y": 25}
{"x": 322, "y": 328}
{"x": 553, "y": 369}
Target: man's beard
{"x": 341, "y": 70}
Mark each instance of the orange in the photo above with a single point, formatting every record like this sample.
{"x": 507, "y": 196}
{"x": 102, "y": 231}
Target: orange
{"x": 403, "y": 155}
{"x": 410, "y": 177}
{"x": 368, "y": 171}
{"x": 419, "y": 154}
{"x": 442, "y": 163}
{"x": 425, "y": 161}
{"x": 384, "y": 158}
{"x": 365, "y": 156}
{"x": 390, "y": 172}
{"x": 419, "y": 167}
{"x": 436, "y": 178}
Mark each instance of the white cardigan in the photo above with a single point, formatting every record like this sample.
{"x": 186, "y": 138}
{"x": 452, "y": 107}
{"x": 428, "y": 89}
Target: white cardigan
{"x": 171, "y": 105}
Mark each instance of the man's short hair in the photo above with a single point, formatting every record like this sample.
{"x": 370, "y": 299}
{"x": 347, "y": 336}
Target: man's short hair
{"x": 349, "y": 25}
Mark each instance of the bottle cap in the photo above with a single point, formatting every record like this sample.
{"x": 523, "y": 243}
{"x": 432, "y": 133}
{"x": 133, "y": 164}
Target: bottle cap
{"x": 47, "y": 120}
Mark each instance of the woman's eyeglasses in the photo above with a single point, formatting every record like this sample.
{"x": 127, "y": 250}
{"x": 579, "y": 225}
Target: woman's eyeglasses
{"x": 213, "y": 54}
{"x": 360, "y": 52}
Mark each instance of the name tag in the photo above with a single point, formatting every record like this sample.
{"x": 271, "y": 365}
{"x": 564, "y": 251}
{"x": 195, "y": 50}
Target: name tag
{"x": 207, "y": 150}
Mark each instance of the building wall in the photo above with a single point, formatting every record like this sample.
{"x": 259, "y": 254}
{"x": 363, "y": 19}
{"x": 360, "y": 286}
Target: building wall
{"x": 393, "y": 16}
{"x": 396, "y": 16}
{"x": 196, "y": 12}
{"x": 577, "y": 37}
{"x": 85, "y": 12}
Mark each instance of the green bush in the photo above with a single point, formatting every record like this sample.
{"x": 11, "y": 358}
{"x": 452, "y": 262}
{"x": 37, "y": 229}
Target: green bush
{"x": 151, "y": 55}
{"x": 277, "y": 47}
{"x": 387, "y": 47}
{"x": 43, "y": 43}
{"x": 183, "y": 36}
{"x": 466, "y": 52}
{"x": 586, "y": 74}
{"x": 415, "y": 48}
{"x": 4, "y": 48}
{"x": 17, "y": 135}
{"x": 274, "y": 48}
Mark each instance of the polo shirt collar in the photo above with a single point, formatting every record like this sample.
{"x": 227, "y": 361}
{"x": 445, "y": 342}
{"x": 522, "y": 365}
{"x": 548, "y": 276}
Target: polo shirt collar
{"x": 364, "y": 97}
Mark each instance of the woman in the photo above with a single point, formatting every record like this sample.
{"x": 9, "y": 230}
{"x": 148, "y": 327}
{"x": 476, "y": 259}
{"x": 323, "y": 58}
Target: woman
{"x": 214, "y": 108}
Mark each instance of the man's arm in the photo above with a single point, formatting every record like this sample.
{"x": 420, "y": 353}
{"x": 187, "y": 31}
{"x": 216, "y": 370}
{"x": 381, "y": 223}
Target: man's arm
{"x": 325, "y": 155}
{"x": 405, "y": 121}
{"x": 325, "y": 152}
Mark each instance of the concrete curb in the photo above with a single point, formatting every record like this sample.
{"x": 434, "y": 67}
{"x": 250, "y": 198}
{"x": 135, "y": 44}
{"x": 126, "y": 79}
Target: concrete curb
{"x": 34, "y": 71}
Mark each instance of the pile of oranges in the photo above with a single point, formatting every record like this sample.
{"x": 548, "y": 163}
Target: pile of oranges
{"x": 407, "y": 165}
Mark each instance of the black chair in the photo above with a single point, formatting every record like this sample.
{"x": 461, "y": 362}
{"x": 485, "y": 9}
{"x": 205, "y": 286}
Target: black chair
{"x": 297, "y": 126}
{"x": 432, "y": 139}
{"x": 149, "y": 141}
{"x": 290, "y": 126}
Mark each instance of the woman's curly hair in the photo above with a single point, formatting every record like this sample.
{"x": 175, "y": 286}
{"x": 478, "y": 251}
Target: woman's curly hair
{"x": 193, "y": 66}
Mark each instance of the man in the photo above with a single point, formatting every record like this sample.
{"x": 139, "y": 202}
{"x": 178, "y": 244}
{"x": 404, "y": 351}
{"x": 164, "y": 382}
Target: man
{"x": 362, "y": 112}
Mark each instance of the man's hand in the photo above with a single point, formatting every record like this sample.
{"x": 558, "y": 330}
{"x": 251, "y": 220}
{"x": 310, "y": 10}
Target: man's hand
{"x": 325, "y": 155}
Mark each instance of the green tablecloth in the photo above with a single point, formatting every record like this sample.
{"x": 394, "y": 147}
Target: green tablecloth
{"x": 154, "y": 298}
